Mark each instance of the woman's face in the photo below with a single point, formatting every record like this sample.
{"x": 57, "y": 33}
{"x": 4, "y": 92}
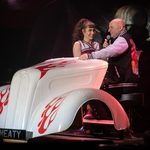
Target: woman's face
{"x": 88, "y": 33}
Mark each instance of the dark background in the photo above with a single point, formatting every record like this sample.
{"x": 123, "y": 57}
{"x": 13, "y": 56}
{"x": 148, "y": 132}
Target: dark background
{"x": 32, "y": 31}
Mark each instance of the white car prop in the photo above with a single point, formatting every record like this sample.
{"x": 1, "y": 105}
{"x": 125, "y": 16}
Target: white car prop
{"x": 45, "y": 98}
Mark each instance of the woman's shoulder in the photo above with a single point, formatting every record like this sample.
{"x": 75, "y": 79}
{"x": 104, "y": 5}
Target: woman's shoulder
{"x": 79, "y": 42}
{"x": 95, "y": 42}
{"x": 96, "y": 45}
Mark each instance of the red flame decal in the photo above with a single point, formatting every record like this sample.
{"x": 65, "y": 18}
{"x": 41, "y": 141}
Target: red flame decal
{"x": 49, "y": 114}
{"x": 4, "y": 94}
{"x": 52, "y": 64}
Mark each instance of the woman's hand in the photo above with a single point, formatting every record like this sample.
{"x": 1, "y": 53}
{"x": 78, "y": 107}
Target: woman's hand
{"x": 83, "y": 57}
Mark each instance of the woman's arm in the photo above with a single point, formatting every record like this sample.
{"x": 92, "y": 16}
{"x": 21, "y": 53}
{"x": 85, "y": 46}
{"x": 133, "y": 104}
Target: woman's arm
{"x": 77, "y": 49}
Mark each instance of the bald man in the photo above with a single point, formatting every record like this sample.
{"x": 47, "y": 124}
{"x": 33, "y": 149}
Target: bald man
{"x": 121, "y": 55}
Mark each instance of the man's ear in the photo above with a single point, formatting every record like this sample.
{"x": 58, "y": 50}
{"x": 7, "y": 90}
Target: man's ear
{"x": 121, "y": 28}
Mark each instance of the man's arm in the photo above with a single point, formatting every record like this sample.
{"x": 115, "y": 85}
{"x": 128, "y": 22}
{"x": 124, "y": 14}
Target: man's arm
{"x": 119, "y": 46}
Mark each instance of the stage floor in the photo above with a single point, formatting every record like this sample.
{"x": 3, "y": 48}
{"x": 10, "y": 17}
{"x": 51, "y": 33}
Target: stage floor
{"x": 77, "y": 138}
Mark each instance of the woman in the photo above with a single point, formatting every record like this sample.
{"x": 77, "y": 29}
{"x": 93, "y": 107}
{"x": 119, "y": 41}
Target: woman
{"x": 83, "y": 38}
{"x": 83, "y": 42}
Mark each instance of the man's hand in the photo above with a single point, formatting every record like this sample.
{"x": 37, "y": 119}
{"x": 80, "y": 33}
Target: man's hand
{"x": 83, "y": 57}
{"x": 105, "y": 44}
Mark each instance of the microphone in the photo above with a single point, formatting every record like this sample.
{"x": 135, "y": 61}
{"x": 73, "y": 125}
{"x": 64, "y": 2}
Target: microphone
{"x": 107, "y": 41}
{"x": 108, "y": 37}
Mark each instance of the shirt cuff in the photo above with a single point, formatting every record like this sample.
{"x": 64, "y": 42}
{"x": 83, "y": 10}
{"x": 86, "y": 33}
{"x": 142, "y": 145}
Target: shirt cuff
{"x": 90, "y": 56}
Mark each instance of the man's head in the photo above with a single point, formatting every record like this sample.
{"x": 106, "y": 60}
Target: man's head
{"x": 116, "y": 26}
